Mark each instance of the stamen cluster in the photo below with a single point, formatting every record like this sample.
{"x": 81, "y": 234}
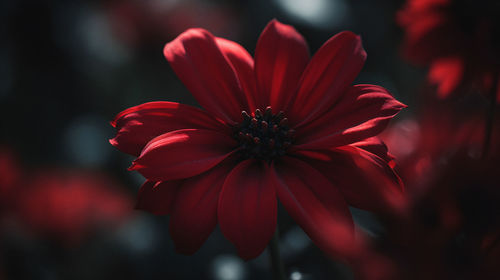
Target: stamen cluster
{"x": 263, "y": 136}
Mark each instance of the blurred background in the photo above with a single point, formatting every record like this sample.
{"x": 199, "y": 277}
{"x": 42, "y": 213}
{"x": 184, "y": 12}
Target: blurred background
{"x": 68, "y": 67}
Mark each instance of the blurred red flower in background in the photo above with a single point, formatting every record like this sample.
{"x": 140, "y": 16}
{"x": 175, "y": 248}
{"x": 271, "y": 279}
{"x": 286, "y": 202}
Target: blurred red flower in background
{"x": 10, "y": 174}
{"x": 60, "y": 205}
{"x": 458, "y": 39}
{"x": 424, "y": 144}
{"x": 68, "y": 206}
{"x": 452, "y": 227}
{"x": 280, "y": 124}
{"x": 453, "y": 230}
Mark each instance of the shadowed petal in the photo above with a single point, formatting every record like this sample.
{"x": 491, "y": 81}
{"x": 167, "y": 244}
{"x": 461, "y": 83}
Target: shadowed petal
{"x": 364, "y": 111}
{"x": 242, "y": 63}
{"x": 194, "y": 212}
{"x": 248, "y": 208}
{"x": 183, "y": 153}
{"x": 136, "y": 126}
{"x": 206, "y": 72}
{"x": 329, "y": 74}
{"x": 280, "y": 58}
{"x": 366, "y": 180}
{"x": 316, "y": 205}
{"x": 377, "y": 147}
{"x": 157, "y": 197}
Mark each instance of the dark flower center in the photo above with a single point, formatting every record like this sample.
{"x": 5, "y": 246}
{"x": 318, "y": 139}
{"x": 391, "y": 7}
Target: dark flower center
{"x": 264, "y": 135}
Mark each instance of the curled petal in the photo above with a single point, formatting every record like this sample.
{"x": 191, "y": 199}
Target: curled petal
{"x": 280, "y": 58}
{"x": 316, "y": 205}
{"x": 329, "y": 73}
{"x": 248, "y": 208}
{"x": 157, "y": 197}
{"x": 361, "y": 113}
{"x": 194, "y": 212}
{"x": 136, "y": 126}
{"x": 206, "y": 72}
{"x": 182, "y": 153}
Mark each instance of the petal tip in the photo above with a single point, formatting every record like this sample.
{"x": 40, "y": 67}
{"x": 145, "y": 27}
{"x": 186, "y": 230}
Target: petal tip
{"x": 356, "y": 39}
{"x": 134, "y": 166}
{"x": 273, "y": 22}
{"x": 172, "y": 47}
{"x": 278, "y": 26}
{"x": 113, "y": 141}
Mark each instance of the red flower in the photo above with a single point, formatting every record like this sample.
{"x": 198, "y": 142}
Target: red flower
{"x": 68, "y": 206}
{"x": 287, "y": 126}
{"x": 459, "y": 39}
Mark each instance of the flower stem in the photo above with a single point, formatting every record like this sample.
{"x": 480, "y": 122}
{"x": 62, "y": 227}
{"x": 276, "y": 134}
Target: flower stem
{"x": 490, "y": 116}
{"x": 276, "y": 261}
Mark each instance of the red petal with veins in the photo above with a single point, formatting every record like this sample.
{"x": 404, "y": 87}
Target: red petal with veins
{"x": 242, "y": 63}
{"x": 248, "y": 208}
{"x": 137, "y": 125}
{"x": 329, "y": 74}
{"x": 183, "y": 153}
{"x": 364, "y": 111}
{"x": 316, "y": 205}
{"x": 194, "y": 212}
{"x": 207, "y": 73}
{"x": 365, "y": 180}
{"x": 280, "y": 58}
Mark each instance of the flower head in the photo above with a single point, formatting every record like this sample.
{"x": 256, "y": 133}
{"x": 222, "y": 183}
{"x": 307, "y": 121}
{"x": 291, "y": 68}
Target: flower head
{"x": 280, "y": 124}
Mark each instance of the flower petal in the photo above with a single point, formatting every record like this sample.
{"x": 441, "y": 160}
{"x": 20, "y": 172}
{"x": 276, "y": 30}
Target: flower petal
{"x": 329, "y": 73}
{"x": 248, "y": 208}
{"x": 136, "y": 126}
{"x": 377, "y": 147}
{"x": 424, "y": 28}
{"x": 183, "y": 153}
{"x": 194, "y": 211}
{"x": 206, "y": 72}
{"x": 242, "y": 63}
{"x": 157, "y": 197}
{"x": 280, "y": 58}
{"x": 316, "y": 205}
{"x": 447, "y": 73}
{"x": 366, "y": 180}
{"x": 361, "y": 113}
